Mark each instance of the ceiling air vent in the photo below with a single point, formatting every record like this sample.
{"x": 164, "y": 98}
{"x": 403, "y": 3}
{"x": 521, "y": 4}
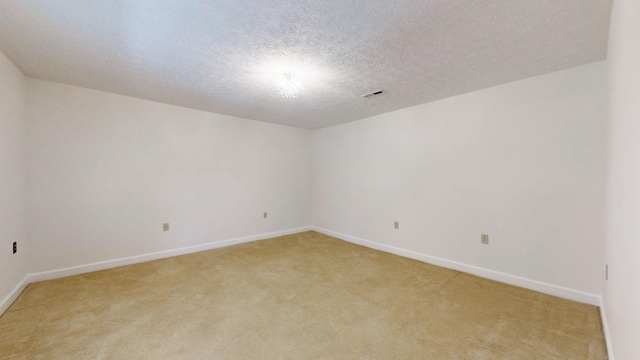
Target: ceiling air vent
{"x": 374, "y": 94}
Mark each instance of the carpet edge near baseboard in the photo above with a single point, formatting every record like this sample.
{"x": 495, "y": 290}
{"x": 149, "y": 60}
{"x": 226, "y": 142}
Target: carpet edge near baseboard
{"x": 539, "y": 286}
{"x": 535, "y": 285}
{"x": 605, "y": 330}
{"x": 8, "y": 300}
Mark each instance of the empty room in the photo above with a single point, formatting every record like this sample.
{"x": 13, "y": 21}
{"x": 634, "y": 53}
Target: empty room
{"x": 431, "y": 179}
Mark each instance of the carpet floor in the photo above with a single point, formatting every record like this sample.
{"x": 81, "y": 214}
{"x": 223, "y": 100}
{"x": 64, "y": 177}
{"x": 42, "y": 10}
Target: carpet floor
{"x": 303, "y": 296}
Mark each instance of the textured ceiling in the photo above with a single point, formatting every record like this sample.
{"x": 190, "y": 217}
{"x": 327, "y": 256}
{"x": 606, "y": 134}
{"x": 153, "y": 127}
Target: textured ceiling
{"x": 223, "y": 56}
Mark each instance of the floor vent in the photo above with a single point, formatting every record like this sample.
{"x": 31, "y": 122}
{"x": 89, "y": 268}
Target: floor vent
{"x": 374, "y": 94}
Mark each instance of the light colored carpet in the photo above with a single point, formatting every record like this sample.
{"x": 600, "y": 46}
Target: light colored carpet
{"x": 304, "y": 296}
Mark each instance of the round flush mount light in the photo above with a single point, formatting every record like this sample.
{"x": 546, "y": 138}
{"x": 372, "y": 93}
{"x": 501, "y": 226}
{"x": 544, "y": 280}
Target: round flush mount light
{"x": 288, "y": 75}
{"x": 289, "y": 86}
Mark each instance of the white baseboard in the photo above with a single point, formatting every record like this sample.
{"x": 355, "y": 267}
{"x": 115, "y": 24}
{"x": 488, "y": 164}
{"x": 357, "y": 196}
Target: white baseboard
{"x": 13, "y": 295}
{"x": 103, "y": 265}
{"x": 534, "y": 285}
{"x": 81, "y": 269}
{"x": 489, "y": 274}
{"x": 605, "y": 330}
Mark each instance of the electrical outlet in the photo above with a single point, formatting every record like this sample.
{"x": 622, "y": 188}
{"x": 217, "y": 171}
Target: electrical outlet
{"x": 264, "y": 215}
{"x": 165, "y": 227}
{"x": 15, "y": 247}
{"x": 396, "y": 225}
{"x": 484, "y": 239}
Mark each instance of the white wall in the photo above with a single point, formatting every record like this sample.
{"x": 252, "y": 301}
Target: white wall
{"x": 523, "y": 162}
{"x": 622, "y": 291}
{"x": 105, "y": 171}
{"x": 13, "y": 267}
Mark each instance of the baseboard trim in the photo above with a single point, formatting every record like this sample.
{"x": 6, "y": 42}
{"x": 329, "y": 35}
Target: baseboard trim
{"x": 13, "y": 295}
{"x": 534, "y": 285}
{"x": 103, "y": 265}
{"x": 605, "y": 330}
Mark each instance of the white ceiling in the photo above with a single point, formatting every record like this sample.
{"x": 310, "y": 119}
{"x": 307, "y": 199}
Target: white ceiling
{"x": 222, "y": 56}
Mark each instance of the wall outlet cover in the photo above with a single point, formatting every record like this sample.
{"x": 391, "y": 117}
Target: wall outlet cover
{"x": 484, "y": 238}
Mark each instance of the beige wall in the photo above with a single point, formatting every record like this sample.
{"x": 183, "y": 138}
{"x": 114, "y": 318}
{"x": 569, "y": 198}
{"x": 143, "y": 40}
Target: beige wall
{"x": 106, "y": 171}
{"x": 622, "y": 292}
{"x": 522, "y": 162}
{"x": 13, "y": 267}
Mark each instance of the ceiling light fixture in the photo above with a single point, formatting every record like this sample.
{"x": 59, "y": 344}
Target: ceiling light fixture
{"x": 289, "y": 86}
